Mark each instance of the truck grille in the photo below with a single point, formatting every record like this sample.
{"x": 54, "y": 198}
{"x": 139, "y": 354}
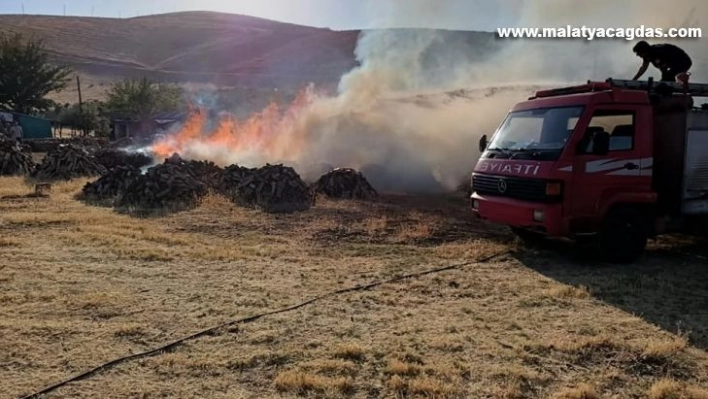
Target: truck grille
{"x": 533, "y": 190}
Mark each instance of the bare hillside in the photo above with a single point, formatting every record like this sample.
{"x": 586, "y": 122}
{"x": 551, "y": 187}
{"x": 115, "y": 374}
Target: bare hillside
{"x": 198, "y": 46}
{"x": 202, "y": 47}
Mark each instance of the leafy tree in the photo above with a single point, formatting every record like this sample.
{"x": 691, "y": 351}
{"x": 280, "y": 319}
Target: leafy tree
{"x": 55, "y": 111}
{"x": 139, "y": 99}
{"x": 90, "y": 117}
{"x": 27, "y": 76}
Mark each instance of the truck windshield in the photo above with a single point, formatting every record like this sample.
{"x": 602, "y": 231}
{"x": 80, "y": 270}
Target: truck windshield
{"x": 536, "y": 134}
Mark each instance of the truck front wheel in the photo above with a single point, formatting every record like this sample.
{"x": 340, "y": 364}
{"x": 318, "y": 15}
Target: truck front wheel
{"x": 623, "y": 236}
{"x": 529, "y": 238}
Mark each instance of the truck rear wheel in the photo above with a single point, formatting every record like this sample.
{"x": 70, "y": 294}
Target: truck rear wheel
{"x": 623, "y": 236}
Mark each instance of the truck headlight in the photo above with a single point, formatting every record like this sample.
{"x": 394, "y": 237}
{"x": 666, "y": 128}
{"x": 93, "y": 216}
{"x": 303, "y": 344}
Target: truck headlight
{"x": 538, "y": 216}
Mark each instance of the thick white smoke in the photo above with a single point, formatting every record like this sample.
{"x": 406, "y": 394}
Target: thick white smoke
{"x": 410, "y": 116}
{"x": 413, "y": 141}
{"x": 601, "y": 58}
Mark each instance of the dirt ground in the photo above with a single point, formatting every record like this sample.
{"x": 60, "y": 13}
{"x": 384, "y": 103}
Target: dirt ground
{"x": 81, "y": 285}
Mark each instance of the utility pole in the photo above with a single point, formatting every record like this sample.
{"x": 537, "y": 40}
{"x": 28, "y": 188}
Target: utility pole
{"x": 65, "y": 10}
{"x": 81, "y": 107}
{"x": 92, "y": 7}
{"x": 23, "y": 8}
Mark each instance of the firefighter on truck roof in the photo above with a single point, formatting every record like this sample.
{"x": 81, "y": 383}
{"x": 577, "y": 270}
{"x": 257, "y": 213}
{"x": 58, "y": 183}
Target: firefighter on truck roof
{"x": 671, "y": 60}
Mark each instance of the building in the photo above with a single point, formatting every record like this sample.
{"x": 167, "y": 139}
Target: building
{"x": 129, "y": 127}
{"x": 32, "y": 126}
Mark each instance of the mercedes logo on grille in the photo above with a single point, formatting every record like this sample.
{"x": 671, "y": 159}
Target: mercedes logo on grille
{"x": 501, "y": 186}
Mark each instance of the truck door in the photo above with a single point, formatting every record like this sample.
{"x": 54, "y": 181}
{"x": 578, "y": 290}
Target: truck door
{"x": 625, "y": 168}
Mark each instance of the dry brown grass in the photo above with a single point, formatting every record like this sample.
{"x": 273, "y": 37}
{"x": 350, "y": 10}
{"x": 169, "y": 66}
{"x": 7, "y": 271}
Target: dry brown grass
{"x": 81, "y": 285}
{"x": 303, "y": 383}
{"x": 583, "y": 391}
{"x": 350, "y": 351}
{"x": 401, "y": 368}
{"x": 671, "y": 389}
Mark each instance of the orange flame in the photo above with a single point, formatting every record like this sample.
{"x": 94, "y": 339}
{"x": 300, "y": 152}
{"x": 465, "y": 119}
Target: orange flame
{"x": 269, "y": 135}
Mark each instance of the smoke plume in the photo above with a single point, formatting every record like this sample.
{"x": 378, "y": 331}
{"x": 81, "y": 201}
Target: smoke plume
{"x": 411, "y": 114}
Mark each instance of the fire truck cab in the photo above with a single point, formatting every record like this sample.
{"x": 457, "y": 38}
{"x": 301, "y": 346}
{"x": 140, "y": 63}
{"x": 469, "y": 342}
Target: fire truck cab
{"x": 610, "y": 164}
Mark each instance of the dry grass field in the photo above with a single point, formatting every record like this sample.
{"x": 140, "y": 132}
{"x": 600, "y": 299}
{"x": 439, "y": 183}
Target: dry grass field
{"x": 82, "y": 285}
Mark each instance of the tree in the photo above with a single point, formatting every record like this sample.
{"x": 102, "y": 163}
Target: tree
{"x": 140, "y": 99}
{"x": 27, "y": 76}
{"x": 90, "y": 117}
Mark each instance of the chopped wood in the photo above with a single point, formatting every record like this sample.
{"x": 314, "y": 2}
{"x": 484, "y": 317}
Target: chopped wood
{"x": 465, "y": 186}
{"x": 167, "y": 187}
{"x": 206, "y": 171}
{"x": 68, "y": 162}
{"x": 110, "y": 186}
{"x": 271, "y": 188}
{"x": 14, "y": 160}
{"x": 51, "y": 144}
{"x": 112, "y": 158}
{"x": 345, "y": 183}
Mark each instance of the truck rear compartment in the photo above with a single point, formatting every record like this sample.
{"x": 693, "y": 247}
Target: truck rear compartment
{"x": 680, "y": 171}
{"x": 695, "y": 177}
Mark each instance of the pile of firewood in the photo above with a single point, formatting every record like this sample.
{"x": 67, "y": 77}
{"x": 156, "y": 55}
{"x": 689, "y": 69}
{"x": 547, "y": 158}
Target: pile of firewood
{"x": 465, "y": 187}
{"x": 111, "y": 158}
{"x": 272, "y": 188}
{"x": 49, "y": 145}
{"x": 110, "y": 186}
{"x": 67, "y": 162}
{"x": 122, "y": 143}
{"x": 13, "y": 160}
{"x": 208, "y": 172}
{"x": 345, "y": 183}
{"x": 163, "y": 188}
{"x": 231, "y": 178}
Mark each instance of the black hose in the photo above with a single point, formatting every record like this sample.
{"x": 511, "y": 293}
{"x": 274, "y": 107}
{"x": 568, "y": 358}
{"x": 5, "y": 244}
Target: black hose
{"x": 173, "y": 344}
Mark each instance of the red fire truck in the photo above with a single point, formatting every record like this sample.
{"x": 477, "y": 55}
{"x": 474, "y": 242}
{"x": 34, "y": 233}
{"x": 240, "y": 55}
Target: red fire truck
{"x": 608, "y": 164}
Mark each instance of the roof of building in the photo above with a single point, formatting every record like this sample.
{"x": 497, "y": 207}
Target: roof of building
{"x": 160, "y": 117}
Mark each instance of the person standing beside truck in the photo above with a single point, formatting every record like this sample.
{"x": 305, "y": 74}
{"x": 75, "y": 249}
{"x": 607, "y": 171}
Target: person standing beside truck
{"x": 672, "y": 61}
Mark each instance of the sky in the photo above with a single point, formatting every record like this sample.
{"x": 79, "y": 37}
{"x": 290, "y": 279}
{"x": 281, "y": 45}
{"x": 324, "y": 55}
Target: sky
{"x": 334, "y": 14}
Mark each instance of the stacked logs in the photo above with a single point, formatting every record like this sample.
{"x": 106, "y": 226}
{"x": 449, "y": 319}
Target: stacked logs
{"x": 13, "y": 160}
{"x": 272, "y": 188}
{"x": 67, "y": 162}
{"x": 49, "y": 145}
{"x": 112, "y": 158}
{"x": 231, "y": 178}
{"x": 166, "y": 187}
{"x": 122, "y": 143}
{"x": 110, "y": 186}
{"x": 345, "y": 183}
{"x": 208, "y": 172}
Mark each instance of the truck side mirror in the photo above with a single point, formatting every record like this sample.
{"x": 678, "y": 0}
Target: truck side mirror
{"x": 601, "y": 143}
{"x": 483, "y": 143}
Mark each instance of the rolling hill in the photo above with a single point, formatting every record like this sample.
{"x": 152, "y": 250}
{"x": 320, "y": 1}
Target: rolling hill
{"x": 195, "y": 47}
